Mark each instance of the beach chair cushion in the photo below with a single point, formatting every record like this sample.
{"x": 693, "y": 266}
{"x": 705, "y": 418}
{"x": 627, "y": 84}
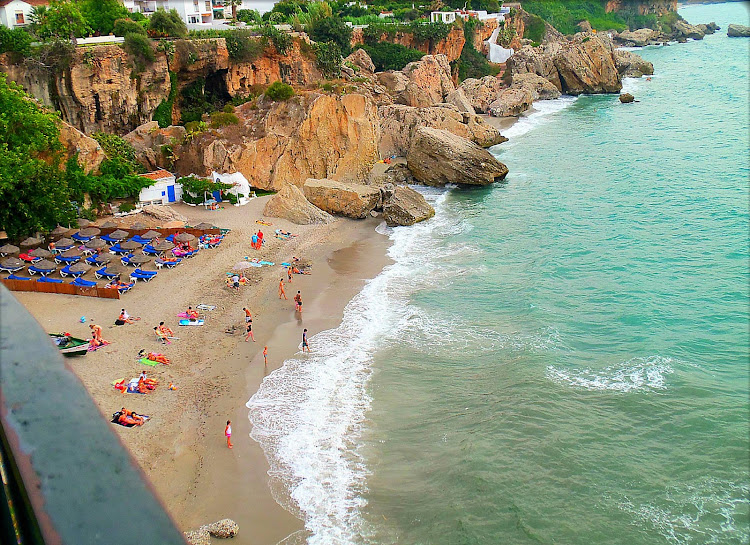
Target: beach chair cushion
{"x": 43, "y": 272}
{"x": 14, "y": 277}
{"x": 81, "y": 283}
{"x": 50, "y": 280}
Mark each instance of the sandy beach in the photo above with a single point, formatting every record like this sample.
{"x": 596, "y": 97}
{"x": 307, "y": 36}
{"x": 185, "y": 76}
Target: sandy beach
{"x": 182, "y": 449}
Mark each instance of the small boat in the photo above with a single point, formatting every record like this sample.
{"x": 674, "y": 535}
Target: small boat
{"x": 191, "y": 322}
{"x": 70, "y": 346}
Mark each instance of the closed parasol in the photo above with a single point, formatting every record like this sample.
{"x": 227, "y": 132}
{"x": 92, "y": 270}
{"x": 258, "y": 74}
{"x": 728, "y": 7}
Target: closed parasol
{"x": 30, "y": 242}
{"x": 79, "y": 267}
{"x": 114, "y": 268}
{"x": 139, "y": 225}
{"x": 130, "y": 245}
{"x": 45, "y": 265}
{"x": 73, "y": 252}
{"x": 95, "y": 244}
{"x": 60, "y": 230}
{"x": 119, "y": 235}
{"x": 108, "y": 225}
{"x": 103, "y": 258}
{"x": 140, "y": 259}
{"x": 83, "y": 222}
{"x": 65, "y": 242}
{"x": 11, "y": 263}
{"x": 6, "y": 249}
{"x": 163, "y": 246}
{"x": 148, "y": 235}
{"x": 203, "y": 225}
{"x": 184, "y": 237}
{"x": 41, "y": 252}
{"x": 89, "y": 232}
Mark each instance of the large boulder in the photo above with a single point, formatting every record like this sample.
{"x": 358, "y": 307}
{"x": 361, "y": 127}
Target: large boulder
{"x": 393, "y": 173}
{"x": 630, "y": 65}
{"x": 511, "y": 102}
{"x": 637, "y": 38}
{"x": 708, "y": 28}
{"x": 224, "y": 528}
{"x": 406, "y": 207}
{"x": 198, "y": 537}
{"x": 421, "y": 83}
{"x": 361, "y": 60}
{"x": 438, "y": 157}
{"x": 88, "y": 151}
{"x": 351, "y": 200}
{"x": 738, "y": 31}
{"x": 149, "y": 142}
{"x": 290, "y": 204}
{"x": 533, "y": 60}
{"x": 683, "y": 29}
{"x": 398, "y": 125}
{"x": 540, "y": 88}
{"x": 459, "y": 99}
{"x": 481, "y": 92}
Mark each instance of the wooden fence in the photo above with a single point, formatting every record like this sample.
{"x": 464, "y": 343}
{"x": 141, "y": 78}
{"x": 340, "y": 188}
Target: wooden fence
{"x": 64, "y": 288}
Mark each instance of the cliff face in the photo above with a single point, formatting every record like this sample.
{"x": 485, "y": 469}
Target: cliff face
{"x": 451, "y": 46}
{"x": 655, "y": 7}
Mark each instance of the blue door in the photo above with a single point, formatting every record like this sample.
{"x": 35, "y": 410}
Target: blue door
{"x": 217, "y": 195}
{"x": 170, "y": 193}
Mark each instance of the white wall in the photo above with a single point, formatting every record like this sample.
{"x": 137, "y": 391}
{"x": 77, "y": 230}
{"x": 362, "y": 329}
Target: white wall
{"x": 8, "y": 14}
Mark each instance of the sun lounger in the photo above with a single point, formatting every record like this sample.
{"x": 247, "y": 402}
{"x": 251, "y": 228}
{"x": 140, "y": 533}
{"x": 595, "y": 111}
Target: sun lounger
{"x": 168, "y": 264}
{"x": 92, "y": 261}
{"x": 125, "y": 260}
{"x": 10, "y": 270}
{"x": 122, "y": 289}
{"x": 139, "y": 240}
{"x": 44, "y": 272}
{"x": 149, "y": 250}
{"x": 81, "y": 283}
{"x": 80, "y": 238}
{"x": 170, "y": 238}
{"x": 60, "y": 249}
{"x": 28, "y": 258}
{"x": 146, "y": 276}
{"x": 65, "y": 271}
{"x": 50, "y": 280}
{"x": 14, "y": 277}
{"x": 117, "y": 250}
{"x": 101, "y": 273}
{"x": 108, "y": 240}
{"x": 67, "y": 260}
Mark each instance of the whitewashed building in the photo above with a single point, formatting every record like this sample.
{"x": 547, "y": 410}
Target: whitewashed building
{"x": 17, "y": 13}
{"x": 164, "y": 190}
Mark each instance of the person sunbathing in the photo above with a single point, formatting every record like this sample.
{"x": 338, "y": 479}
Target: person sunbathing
{"x": 125, "y": 318}
{"x": 160, "y": 358}
{"x": 164, "y": 329}
{"x": 146, "y": 384}
{"x": 130, "y": 418}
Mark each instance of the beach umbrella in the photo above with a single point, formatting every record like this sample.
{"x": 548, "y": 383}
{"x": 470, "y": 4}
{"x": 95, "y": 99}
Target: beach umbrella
{"x": 12, "y": 263}
{"x": 95, "y": 244}
{"x": 130, "y": 245}
{"x": 83, "y": 222}
{"x": 242, "y": 265}
{"x": 73, "y": 252}
{"x": 163, "y": 246}
{"x": 60, "y": 230}
{"x": 29, "y": 242}
{"x": 151, "y": 234}
{"x": 139, "y": 225}
{"x": 41, "y": 252}
{"x": 65, "y": 242}
{"x": 79, "y": 267}
{"x": 184, "y": 237}
{"x": 140, "y": 259}
{"x": 203, "y": 225}
{"x": 45, "y": 265}
{"x": 108, "y": 225}
{"x": 114, "y": 268}
{"x": 6, "y": 249}
{"x": 104, "y": 258}
{"x": 119, "y": 235}
{"x": 89, "y": 232}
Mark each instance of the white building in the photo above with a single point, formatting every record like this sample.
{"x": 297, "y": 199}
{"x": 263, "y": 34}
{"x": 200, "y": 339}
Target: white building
{"x": 240, "y": 186}
{"x": 193, "y": 12}
{"x": 163, "y": 191}
{"x": 446, "y": 17}
{"x": 17, "y": 13}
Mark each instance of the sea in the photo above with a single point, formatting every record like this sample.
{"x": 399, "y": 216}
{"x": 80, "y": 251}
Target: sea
{"x": 559, "y": 358}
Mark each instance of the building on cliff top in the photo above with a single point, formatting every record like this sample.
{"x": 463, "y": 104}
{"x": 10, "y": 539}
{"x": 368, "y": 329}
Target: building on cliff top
{"x": 164, "y": 190}
{"x": 17, "y": 13}
{"x": 193, "y": 12}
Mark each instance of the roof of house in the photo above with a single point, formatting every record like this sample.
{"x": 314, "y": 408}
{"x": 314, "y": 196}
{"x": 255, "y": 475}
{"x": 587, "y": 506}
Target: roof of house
{"x": 158, "y": 175}
{"x": 29, "y": 2}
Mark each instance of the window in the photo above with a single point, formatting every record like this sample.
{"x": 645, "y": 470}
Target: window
{"x": 192, "y": 19}
{"x": 195, "y": 5}
{"x": 19, "y": 18}
{"x": 208, "y": 5}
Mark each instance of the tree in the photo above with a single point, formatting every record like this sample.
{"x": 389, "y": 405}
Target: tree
{"x": 249, "y": 16}
{"x": 234, "y": 4}
{"x": 102, "y": 14}
{"x": 331, "y": 29}
{"x": 167, "y": 23}
{"x": 60, "y": 19}
{"x": 123, "y": 27}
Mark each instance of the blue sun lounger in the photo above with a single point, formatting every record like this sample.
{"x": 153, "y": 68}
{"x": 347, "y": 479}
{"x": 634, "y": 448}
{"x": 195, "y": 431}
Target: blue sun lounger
{"x": 80, "y": 238}
{"x": 65, "y": 271}
{"x": 102, "y": 273}
{"x": 118, "y": 250}
{"x": 125, "y": 260}
{"x": 43, "y": 272}
{"x": 67, "y": 260}
{"x": 146, "y": 276}
{"x": 61, "y": 249}
{"x": 139, "y": 240}
{"x": 81, "y": 283}
{"x": 108, "y": 240}
{"x": 14, "y": 277}
{"x": 168, "y": 264}
{"x": 11, "y": 270}
{"x": 49, "y": 280}
{"x": 149, "y": 250}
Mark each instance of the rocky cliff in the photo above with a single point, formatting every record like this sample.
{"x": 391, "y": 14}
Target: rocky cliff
{"x": 450, "y": 46}
{"x": 656, "y": 7}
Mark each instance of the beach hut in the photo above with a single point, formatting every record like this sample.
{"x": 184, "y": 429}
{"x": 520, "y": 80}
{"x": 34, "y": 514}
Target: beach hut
{"x": 240, "y": 186}
{"x": 164, "y": 189}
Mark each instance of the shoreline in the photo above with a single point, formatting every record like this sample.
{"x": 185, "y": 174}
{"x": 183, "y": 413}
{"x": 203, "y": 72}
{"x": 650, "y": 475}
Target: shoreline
{"x": 182, "y": 451}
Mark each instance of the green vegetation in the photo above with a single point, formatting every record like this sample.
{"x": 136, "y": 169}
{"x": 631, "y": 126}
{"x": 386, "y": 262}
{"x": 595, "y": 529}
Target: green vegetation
{"x": 123, "y": 27}
{"x": 388, "y": 56}
{"x": 279, "y": 91}
{"x": 535, "y": 29}
{"x": 100, "y": 15}
{"x": 431, "y": 32}
{"x": 61, "y": 19}
{"x": 331, "y": 30}
{"x": 141, "y": 48}
{"x": 164, "y": 24}
{"x": 471, "y": 63}
{"x": 222, "y": 119}
{"x": 16, "y": 41}
{"x": 280, "y": 40}
{"x": 194, "y": 188}
{"x": 244, "y": 47}
{"x": 163, "y": 112}
{"x": 565, "y": 15}
{"x": 249, "y": 16}
{"x": 37, "y": 186}
{"x": 328, "y": 58}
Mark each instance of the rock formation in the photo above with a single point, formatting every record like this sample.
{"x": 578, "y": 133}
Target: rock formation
{"x": 421, "y": 83}
{"x": 361, "y": 60}
{"x": 290, "y": 204}
{"x": 224, "y": 528}
{"x": 459, "y": 99}
{"x": 630, "y": 65}
{"x": 398, "y": 125}
{"x": 481, "y": 92}
{"x": 511, "y": 102}
{"x": 540, "y": 88}
{"x": 627, "y": 98}
{"x": 90, "y": 153}
{"x": 350, "y": 200}
{"x": 738, "y": 31}
{"x": 450, "y": 46}
{"x": 438, "y": 157}
{"x": 406, "y": 207}
{"x": 637, "y": 38}
{"x": 152, "y": 144}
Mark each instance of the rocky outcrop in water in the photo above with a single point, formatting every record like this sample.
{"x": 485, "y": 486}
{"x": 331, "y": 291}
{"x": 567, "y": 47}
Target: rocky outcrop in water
{"x": 350, "y": 200}
{"x": 738, "y": 31}
{"x": 630, "y": 65}
{"x": 627, "y": 98}
{"x": 290, "y": 204}
{"x": 404, "y": 206}
{"x": 511, "y": 102}
{"x": 438, "y": 157}
{"x": 637, "y": 38}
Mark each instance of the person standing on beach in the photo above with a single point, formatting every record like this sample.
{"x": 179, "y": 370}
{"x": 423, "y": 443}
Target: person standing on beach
{"x": 304, "y": 341}
{"x": 289, "y": 274}
{"x": 249, "y": 330}
{"x": 228, "y": 433}
{"x": 248, "y": 315}
{"x": 298, "y": 302}
{"x": 281, "y": 289}
{"x": 236, "y": 282}
{"x": 265, "y": 355}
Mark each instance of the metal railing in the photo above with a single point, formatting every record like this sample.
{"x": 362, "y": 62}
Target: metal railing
{"x": 66, "y": 478}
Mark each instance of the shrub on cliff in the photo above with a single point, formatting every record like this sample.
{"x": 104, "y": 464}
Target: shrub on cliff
{"x": 279, "y": 91}
{"x": 167, "y": 23}
{"x": 388, "y": 56}
{"x": 141, "y": 48}
{"x": 280, "y": 40}
{"x": 328, "y": 58}
{"x": 331, "y": 29}
{"x": 101, "y": 15}
{"x": 222, "y": 119}
{"x": 15, "y": 41}
{"x": 163, "y": 112}
{"x": 123, "y": 27}
{"x": 243, "y": 46}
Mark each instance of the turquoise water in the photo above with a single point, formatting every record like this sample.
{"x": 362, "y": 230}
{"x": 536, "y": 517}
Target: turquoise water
{"x": 559, "y": 358}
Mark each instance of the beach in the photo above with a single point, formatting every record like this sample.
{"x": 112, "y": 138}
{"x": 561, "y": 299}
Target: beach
{"x": 182, "y": 450}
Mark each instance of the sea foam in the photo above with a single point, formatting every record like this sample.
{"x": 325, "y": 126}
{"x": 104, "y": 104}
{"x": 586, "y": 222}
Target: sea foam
{"x": 636, "y": 374}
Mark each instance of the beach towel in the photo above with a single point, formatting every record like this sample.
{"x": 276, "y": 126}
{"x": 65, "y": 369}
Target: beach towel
{"x": 191, "y": 322}
{"x": 146, "y": 361}
{"x": 93, "y": 348}
{"x": 263, "y": 222}
{"x": 206, "y": 307}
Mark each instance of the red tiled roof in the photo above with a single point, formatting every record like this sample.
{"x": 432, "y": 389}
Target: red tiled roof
{"x": 157, "y": 174}
{"x": 29, "y": 2}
